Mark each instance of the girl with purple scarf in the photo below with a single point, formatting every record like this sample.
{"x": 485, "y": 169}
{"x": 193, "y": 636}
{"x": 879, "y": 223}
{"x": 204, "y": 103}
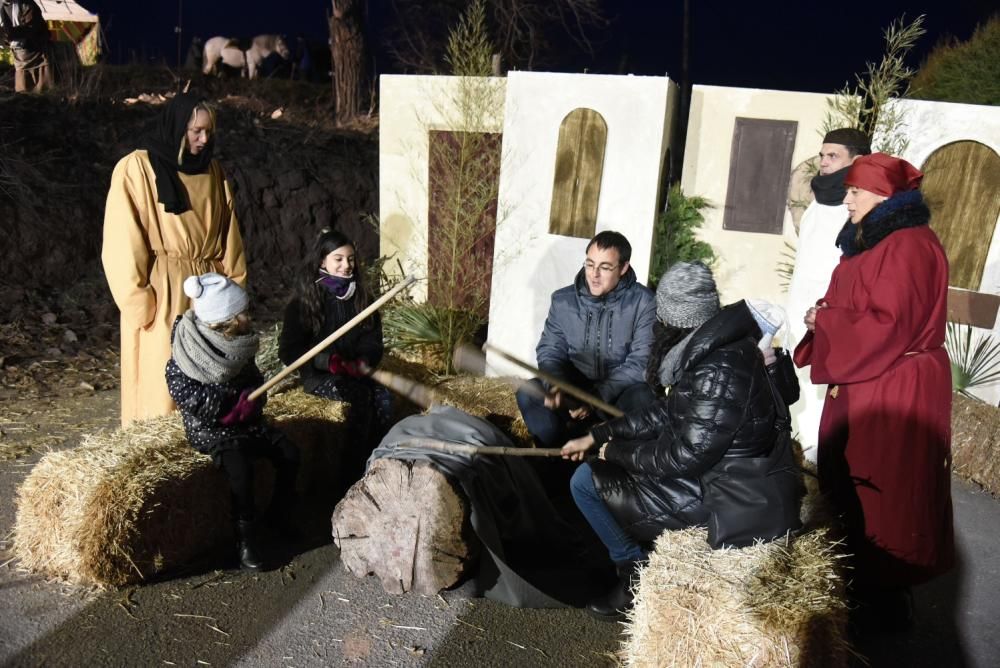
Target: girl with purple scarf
{"x": 330, "y": 294}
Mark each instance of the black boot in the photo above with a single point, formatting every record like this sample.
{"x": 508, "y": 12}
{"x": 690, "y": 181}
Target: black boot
{"x": 613, "y": 605}
{"x": 248, "y": 545}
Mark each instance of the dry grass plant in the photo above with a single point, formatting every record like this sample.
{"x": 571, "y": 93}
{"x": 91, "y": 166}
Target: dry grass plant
{"x": 870, "y": 103}
{"x": 131, "y": 504}
{"x": 773, "y": 604}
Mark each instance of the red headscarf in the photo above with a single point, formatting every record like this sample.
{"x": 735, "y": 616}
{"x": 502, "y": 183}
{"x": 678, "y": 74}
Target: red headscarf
{"x": 883, "y": 174}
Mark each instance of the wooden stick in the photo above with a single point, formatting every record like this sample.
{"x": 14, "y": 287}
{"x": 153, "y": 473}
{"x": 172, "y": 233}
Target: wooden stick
{"x": 558, "y": 382}
{"x": 418, "y": 393}
{"x": 348, "y": 326}
{"x": 471, "y": 359}
{"x": 466, "y": 449}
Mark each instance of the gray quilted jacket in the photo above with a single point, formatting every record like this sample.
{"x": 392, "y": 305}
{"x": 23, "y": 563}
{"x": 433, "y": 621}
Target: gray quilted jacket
{"x": 607, "y": 339}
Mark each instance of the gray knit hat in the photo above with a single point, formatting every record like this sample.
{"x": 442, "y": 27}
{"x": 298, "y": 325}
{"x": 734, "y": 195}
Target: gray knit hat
{"x": 216, "y": 298}
{"x": 686, "y": 295}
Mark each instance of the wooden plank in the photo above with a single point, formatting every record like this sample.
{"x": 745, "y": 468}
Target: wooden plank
{"x": 978, "y": 309}
{"x": 962, "y": 188}
{"x": 760, "y": 166}
{"x": 576, "y": 190}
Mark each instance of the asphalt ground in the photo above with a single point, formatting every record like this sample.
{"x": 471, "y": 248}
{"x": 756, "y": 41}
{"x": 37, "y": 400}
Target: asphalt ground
{"x": 312, "y": 612}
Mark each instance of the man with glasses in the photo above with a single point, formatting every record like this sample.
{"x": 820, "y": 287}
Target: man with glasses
{"x": 598, "y": 336}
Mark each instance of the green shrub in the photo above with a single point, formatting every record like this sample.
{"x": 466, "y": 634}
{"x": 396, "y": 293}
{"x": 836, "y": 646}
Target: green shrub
{"x": 963, "y": 71}
{"x": 674, "y": 238}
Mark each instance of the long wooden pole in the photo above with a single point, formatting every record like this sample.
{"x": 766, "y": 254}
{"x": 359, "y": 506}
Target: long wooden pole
{"x": 466, "y": 449}
{"x": 348, "y": 326}
{"x": 558, "y": 382}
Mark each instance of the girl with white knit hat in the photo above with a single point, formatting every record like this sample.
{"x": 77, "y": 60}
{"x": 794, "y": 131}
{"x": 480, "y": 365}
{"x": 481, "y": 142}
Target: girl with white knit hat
{"x": 210, "y": 375}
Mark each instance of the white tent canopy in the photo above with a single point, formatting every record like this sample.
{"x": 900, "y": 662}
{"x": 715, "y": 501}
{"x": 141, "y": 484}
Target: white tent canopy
{"x": 65, "y": 10}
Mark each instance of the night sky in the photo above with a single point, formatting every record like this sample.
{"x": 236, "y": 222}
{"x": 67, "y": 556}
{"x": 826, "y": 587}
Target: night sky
{"x": 782, "y": 44}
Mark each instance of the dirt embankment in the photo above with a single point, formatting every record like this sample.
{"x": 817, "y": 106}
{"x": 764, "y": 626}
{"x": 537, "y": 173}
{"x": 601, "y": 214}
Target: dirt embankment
{"x": 291, "y": 171}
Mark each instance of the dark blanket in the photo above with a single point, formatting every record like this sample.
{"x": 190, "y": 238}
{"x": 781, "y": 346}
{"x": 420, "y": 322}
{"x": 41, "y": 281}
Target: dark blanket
{"x": 532, "y": 557}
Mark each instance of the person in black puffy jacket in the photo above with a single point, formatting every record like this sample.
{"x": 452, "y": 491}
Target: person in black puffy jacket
{"x": 650, "y": 465}
{"x": 330, "y": 294}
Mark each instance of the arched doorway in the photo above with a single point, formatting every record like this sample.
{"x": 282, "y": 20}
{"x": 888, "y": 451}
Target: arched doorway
{"x": 962, "y": 188}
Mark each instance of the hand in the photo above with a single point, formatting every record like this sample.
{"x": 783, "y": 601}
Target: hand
{"x": 244, "y": 410}
{"x": 810, "y": 319}
{"x": 338, "y": 366}
{"x": 581, "y": 412}
{"x": 553, "y": 400}
{"x": 576, "y": 449}
{"x": 769, "y": 356}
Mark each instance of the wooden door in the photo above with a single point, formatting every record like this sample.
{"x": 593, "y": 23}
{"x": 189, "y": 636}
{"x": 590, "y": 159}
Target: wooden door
{"x": 576, "y": 191}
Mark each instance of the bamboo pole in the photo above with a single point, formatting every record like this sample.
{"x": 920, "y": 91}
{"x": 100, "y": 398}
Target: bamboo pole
{"x": 557, "y": 382}
{"x": 348, "y": 326}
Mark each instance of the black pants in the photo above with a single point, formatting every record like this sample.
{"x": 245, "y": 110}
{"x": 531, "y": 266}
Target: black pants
{"x": 238, "y": 464}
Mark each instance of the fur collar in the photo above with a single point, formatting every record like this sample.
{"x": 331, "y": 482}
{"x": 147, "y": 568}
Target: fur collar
{"x": 902, "y": 210}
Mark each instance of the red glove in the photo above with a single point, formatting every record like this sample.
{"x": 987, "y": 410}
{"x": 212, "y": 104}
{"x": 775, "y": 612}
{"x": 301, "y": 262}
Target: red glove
{"x": 244, "y": 410}
{"x": 341, "y": 367}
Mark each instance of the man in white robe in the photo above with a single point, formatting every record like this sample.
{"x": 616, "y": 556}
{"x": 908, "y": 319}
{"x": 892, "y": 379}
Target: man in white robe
{"x": 815, "y": 258}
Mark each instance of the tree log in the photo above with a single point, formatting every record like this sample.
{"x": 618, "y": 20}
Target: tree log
{"x": 408, "y": 524}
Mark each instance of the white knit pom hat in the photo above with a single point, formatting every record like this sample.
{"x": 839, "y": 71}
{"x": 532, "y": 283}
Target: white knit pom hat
{"x": 215, "y": 297}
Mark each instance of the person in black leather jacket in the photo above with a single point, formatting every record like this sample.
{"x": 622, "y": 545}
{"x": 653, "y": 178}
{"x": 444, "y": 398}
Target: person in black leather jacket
{"x": 648, "y": 473}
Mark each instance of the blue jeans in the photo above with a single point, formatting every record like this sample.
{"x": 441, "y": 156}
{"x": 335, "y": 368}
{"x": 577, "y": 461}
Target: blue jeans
{"x": 552, "y": 429}
{"x": 620, "y": 545}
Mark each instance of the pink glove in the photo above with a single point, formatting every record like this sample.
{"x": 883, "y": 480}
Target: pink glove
{"x": 341, "y": 367}
{"x": 244, "y": 410}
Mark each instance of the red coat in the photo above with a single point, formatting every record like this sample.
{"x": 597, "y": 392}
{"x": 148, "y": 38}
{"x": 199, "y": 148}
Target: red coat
{"x": 885, "y": 438}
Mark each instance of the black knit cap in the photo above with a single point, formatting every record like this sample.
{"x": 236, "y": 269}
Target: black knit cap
{"x": 851, "y": 138}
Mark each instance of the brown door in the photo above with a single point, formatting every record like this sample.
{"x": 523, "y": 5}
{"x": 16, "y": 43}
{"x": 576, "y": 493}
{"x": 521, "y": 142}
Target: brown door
{"x": 576, "y": 192}
{"x": 759, "y": 170}
{"x": 962, "y": 188}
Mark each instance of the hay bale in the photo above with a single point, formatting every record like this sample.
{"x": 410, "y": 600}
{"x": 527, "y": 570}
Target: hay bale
{"x": 130, "y": 504}
{"x": 975, "y": 435}
{"x": 408, "y": 524}
{"x": 773, "y": 604}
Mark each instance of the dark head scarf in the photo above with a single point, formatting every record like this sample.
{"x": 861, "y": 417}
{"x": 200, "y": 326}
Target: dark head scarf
{"x": 163, "y": 145}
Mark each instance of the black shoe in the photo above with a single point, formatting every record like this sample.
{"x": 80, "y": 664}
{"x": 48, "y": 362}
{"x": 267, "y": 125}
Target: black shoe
{"x": 248, "y": 545}
{"x": 614, "y": 604}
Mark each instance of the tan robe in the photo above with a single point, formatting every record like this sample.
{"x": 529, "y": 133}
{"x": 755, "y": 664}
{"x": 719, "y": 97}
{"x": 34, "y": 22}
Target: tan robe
{"x": 147, "y": 254}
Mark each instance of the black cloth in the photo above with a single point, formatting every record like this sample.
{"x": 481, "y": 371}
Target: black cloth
{"x": 163, "y": 146}
{"x": 31, "y": 33}
{"x": 829, "y": 189}
{"x": 721, "y": 407}
{"x": 902, "y": 210}
{"x": 364, "y": 342}
{"x": 531, "y": 556}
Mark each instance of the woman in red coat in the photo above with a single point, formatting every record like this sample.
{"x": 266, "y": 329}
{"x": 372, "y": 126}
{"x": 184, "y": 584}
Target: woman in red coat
{"x": 877, "y": 340}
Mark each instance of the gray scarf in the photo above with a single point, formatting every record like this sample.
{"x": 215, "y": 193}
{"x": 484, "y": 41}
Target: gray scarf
{"x": 206, "y": 355}
{"x": 670, "y": 367}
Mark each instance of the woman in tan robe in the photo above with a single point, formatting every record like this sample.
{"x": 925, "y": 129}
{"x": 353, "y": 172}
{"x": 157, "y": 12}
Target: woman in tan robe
{"x": 170, "y": 214}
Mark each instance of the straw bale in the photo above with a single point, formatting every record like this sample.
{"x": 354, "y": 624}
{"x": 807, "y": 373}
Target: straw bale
{"x": 975, "y": 434}
{"x": 773, "y": 604}
{"x": 129, "y": 504}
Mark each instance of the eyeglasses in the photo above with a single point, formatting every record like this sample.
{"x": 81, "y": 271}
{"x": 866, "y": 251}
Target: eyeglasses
{"x": 599, "y": 269}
